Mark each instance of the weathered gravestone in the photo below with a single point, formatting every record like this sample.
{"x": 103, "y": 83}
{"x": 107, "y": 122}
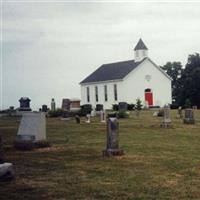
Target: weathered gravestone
{"x": 122, "y": 106}
{"x": 32, "y": 131}
{"x": 166, "y": 122}
{"x": 66, "y": 104}
{"x": 77, "y": 117}
{"x": 53, "y": 104}
{"x": 6, "y": 172}
{"x": 1, "y": 151}
{"x": 189, "y": 117}
{"x": 24, "y": 104}
{"x": 179, "y": 112}
{"x": 103, "y": 116}
{"x": 6, "y": 169}
{"x": 88, "y": 118}
{"x": 65, "y": 115}
{"x": 44, "y": 108}
{"x": 112, "y": 147}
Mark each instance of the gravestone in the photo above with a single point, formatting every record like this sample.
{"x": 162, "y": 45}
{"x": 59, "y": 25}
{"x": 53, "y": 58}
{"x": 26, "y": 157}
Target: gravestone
{"x": 93, "y": 113}
{"x": 77, "y": 117}
{"x": 6, "y": 172}
{"x": 103, "y": 116}
{"x": 179, "y": 112}
{"x": 112, "y": 147}
{"x": 87, "y": 118}
{"x": 166, "y": 122}
{"x": 66, "y": 104}
{"x": 44, "y": 108}
{"x": 1, "y": 151}
{"x": 24, "y": 104}
{"x": 75, "y": 105}
{"x": 65, "y": 115}
{"x": 53, "y": 104}
{"x": 32, "y": 131}
{"x": 189, "y": 117}
{"x": 122, "y": 106}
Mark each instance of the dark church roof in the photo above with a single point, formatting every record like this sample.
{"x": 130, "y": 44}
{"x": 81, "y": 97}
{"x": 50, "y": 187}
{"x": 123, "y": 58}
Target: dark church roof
{"x": 112, "y": 71}
{"x": 140, "y": 45}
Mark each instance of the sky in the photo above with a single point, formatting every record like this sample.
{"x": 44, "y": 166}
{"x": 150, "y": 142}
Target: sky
{"x": 48, "y": 47}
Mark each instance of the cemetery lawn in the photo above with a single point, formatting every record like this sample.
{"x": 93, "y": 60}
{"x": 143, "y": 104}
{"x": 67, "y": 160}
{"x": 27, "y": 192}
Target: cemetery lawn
{"x": 158, "y": 163}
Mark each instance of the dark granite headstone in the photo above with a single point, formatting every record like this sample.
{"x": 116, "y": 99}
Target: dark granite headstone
{"x": 99, "y": 107}
{"x": 112, "y": 147}
{"x": 123, "y": 106}
{"x": 189, "y": 117}
{"x": 77, "y": 117}
{"x": 1, "y": 151}
{"x": 66, "y": 104}
{"x": 24, "y": 104}
{"x": 44, "y": 108}
{"x": 66, "y": 114}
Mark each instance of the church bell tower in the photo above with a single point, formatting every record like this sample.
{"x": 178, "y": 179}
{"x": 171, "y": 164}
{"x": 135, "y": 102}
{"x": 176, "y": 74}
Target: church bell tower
{"x": 141, "y": 51}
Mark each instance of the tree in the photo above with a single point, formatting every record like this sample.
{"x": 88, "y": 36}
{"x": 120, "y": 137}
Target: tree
{"x": 190, "y": 80}
{"x": 174, "y": 70}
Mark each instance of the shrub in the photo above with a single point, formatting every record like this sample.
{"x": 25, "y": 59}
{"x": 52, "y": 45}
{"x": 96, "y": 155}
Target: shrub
{"x": 115, "y": 107}
{"x": 55, "y": 113}
{"x": 138, "y": 105}
{"x": 131, "y": 106}
{"x": 85, "y": 109}
{"x": 122, "y": 114}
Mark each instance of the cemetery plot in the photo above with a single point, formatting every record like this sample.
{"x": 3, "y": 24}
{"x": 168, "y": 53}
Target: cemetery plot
{"x": 158, "y": 163}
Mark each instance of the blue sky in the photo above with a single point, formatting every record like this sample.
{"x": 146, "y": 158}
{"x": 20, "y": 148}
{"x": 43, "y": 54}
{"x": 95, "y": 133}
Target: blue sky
{"x": 48, "y": 47}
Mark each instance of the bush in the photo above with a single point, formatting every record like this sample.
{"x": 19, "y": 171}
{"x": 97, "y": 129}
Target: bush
{"x": 85, "y": 109}
{"x": 122, "y": 114}
{"x": 55, "y": 113}
{"x": 131, "y": 106}
{"x": 138, "y": 105}
{"x": 115, "y": 107}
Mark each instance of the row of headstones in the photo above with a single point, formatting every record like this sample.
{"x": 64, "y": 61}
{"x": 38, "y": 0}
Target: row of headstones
{"x": 188, "y": 118}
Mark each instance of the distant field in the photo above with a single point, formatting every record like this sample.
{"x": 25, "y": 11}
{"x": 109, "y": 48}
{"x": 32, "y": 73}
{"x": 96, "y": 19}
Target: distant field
{"x": 158, "y": 163}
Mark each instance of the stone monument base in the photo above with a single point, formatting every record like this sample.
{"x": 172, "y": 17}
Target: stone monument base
{"x": 166, "y": 125}
{"x": 29, "y": 145}
{"x": 188, "y": 121}
{"x": 6, "y": 172}
{"x": 113, "y": 152}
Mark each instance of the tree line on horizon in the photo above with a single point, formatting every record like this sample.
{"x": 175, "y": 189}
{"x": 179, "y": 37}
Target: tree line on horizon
{"x": 185, "y": 81}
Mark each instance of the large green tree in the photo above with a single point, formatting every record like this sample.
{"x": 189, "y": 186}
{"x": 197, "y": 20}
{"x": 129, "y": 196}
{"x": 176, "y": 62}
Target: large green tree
{"x": 174, "y": 70}
{"x": 190, "y": 81}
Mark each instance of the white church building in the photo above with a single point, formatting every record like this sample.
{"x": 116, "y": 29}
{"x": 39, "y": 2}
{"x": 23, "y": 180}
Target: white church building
{"x": 126, "y": 81}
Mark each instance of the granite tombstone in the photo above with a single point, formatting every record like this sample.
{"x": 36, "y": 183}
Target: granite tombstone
{"x": 24, "y": 104}
{"x": 189, "y": 117}
{"x": 112, "y": 147}
{"x": 166, "y": 121}
{"x": 32, "y": 131}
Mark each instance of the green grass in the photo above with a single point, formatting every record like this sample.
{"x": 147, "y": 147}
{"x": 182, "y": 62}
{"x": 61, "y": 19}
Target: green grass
{"x": 158, "y": 163}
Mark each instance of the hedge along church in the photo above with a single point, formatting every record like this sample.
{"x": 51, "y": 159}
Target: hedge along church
{"x": 126, "y": 81}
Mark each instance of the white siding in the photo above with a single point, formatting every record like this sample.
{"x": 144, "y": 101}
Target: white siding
{"x": 132, "y": 87}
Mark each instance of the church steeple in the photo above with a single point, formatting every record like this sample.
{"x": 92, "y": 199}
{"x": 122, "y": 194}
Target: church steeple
{"x": 141, "y": 51}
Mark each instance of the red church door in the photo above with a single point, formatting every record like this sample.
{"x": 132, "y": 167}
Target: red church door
{"x": 149, "y": 97}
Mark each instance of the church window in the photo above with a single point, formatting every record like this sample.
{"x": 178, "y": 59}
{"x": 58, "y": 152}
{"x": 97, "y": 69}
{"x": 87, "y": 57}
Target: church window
{"x": 115, "y": 92}
{"x": 96, "y": 94}
{"x": 106, "y": 92}
{"x": 88, "y": 94}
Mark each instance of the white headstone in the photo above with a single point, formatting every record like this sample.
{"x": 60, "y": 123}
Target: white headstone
{"x": 103, "y": 116}
{"x": 33, "y": 125}
{"x": 87, "y": 118}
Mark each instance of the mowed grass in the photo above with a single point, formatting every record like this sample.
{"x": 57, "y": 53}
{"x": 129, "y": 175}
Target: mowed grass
{"x": 158, "y": 163}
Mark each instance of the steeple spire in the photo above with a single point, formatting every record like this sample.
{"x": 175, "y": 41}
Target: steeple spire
{"x": 140, "y": 45}
{"x": 141, "y": 51}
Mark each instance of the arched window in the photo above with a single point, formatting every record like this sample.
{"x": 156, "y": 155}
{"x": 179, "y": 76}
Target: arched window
{"x": 147, "y": 90}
